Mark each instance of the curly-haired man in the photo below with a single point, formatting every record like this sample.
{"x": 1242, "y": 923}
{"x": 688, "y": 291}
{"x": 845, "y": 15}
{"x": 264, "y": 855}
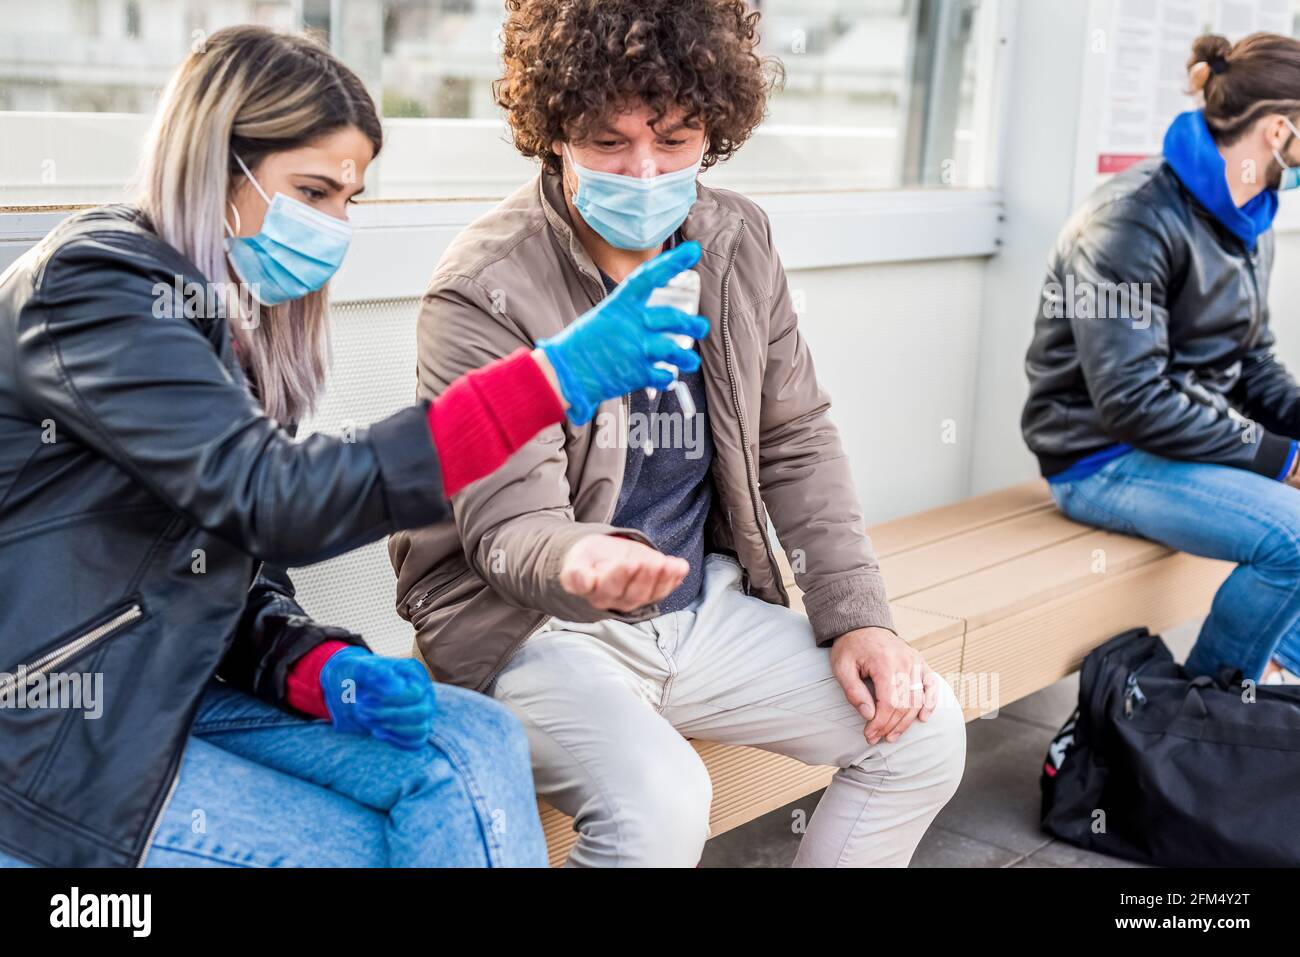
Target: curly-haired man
{"x": 615, "y": 583}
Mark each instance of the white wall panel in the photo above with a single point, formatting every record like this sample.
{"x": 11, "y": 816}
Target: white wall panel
{"x": 1284, "y": 300}
{"x": 896, "y": 346}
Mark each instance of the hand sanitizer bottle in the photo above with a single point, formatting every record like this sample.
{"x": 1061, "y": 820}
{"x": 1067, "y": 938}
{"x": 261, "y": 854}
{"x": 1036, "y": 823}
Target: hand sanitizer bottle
{"x": 682, "y": 292}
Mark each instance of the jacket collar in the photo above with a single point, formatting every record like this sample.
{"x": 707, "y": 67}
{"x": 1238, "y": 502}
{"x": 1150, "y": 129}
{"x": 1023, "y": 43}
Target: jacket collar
{"x": 1195, "y": 158}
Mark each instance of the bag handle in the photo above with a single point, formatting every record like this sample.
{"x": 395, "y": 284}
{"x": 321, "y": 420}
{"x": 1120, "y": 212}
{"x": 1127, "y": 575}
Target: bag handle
{"x": 1229, "y": 677}
{"x": 1193, "y": 707}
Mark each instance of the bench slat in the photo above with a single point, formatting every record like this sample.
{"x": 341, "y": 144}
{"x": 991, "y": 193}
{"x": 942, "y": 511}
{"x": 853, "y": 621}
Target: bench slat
{"x": 996, "y": 593}
{"x": 962, "y": 555}
{"x": 923, "y": 629}
{"x": 1043, "y": 644}
{"x": 924, "y": 528}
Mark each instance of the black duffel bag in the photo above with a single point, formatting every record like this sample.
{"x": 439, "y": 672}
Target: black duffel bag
{"x": 1159, "y": 767}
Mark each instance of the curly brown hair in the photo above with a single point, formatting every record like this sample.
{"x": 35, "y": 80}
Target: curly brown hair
{"x": 570, "y": 65}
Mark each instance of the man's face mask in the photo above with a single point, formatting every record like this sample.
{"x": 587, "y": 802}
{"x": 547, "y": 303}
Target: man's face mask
{"x": 295, "y": 252}
{"x": 634, "y": 212}
{"x": 1290, "y": 174}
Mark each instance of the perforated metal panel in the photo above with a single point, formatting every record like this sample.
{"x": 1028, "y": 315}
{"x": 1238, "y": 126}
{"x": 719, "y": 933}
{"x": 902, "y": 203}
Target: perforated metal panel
{"x": 372, "y": 376}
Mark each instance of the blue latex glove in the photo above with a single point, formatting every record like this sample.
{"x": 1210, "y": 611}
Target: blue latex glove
{"x": 611, "y": 350}
{"x": 390, "y": 698}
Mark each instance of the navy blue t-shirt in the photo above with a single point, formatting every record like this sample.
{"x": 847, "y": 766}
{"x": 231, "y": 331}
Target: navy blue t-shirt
{"x": 667, "y": 495}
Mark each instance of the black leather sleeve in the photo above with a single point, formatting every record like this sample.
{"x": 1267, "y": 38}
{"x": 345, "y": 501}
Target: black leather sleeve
{"x": 1124, "y": 348}
{"x": 152, "y": 395}
{"x": 1266, "y": 391}
{"x": 273, "y": 633}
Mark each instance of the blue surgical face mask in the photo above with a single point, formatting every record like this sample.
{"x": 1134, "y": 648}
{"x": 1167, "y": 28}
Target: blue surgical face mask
{"x": 1290, "y": 174}
{"x": 295, "y": 252}
{"x": 634, "y": 212}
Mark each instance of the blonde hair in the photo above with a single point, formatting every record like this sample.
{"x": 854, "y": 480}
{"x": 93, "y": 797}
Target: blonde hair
{"x": 249, "y": 91}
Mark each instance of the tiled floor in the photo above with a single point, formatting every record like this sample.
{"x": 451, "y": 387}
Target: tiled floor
{"x": 992, "y": 821}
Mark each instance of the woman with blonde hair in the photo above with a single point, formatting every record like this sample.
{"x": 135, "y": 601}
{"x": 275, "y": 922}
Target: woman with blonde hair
{"x": 154, "y": 358}
{"x": 1157, "y": 406}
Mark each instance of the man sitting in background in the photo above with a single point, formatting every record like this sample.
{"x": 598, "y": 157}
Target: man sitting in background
{"x": 618, "y": 596}
{"x": 1157, "y": 404}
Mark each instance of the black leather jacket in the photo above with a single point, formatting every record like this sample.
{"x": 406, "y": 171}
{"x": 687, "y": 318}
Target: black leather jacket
{"x": 141, "y": 488}
{"x": 1179, "y": 370}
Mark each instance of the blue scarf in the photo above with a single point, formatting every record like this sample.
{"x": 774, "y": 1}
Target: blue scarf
{"x": 1191, "y": 151}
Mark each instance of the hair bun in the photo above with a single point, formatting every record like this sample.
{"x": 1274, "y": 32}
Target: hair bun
{"x": 1209, "y": 58}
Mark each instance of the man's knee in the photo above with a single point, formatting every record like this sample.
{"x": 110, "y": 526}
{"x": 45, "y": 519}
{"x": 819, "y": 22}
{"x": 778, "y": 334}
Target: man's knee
{"x": 1278, "y": 550}
{"x": 659, "y": 816}
{"x": 934, "y": 751}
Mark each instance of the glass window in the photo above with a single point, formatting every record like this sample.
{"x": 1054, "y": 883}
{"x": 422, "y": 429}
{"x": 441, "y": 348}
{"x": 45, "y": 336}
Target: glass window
{"x": 879, "y": 93}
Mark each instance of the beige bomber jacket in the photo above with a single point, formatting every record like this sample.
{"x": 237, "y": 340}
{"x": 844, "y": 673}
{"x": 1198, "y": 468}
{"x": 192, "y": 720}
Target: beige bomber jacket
{"x": 476, "y": 589}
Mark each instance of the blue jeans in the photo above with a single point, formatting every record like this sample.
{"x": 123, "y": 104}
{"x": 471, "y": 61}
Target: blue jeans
{"x": 1217, "y": 512}
{"x": 261, "y": 788}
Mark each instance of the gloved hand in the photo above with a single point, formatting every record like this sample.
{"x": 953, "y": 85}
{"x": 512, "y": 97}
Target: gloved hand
{"x": 390, "y": 698}
{"x": 612, "y": 349}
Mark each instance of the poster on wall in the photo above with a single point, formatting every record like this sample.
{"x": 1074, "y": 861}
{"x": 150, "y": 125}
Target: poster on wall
{"x": 1235, "y": 19}
{"x": 1148, "y": 43}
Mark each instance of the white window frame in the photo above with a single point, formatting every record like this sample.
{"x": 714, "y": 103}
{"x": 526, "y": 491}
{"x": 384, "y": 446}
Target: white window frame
{"x": 398, "y": 242}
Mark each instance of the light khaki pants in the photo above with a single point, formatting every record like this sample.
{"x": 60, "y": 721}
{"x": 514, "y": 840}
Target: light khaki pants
{"x": 605, "y": 706}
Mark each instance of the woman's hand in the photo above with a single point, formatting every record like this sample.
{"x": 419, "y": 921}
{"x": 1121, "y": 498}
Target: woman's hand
{"x": 389, "y": 698}
{"x": 612, "y": 349}
{"x": 618, "y": 574}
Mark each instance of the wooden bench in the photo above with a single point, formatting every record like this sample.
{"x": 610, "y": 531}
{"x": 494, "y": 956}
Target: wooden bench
{"x": 1004, "y": 596}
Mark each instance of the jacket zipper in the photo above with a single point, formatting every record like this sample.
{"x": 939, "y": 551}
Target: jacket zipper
{"x": 1256, "y": 317}
{"x": 157, "y": 822}
{"x": 1132, "y": 693}
{"x": 752, "y": 481}
{"x": 71, "y": 649}
{"x": 51, "y": 660}
{"x": 176, "y": 774}
{"x": 438, "y": 589}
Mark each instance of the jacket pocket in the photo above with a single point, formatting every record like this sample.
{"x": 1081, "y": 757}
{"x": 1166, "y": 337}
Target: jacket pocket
{"x": 423, "y": 600}
{"x": 82, "y": 640}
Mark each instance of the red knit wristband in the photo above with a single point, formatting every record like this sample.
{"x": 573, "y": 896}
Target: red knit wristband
{"x": 304, "y": 692}
{"x": 486, "y": 415}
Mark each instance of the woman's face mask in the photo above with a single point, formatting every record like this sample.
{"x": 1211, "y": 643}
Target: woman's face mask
{"x": 1290, "y": 174}
{"x": 295, "y": 252}
{"x": 634, "y": 212}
